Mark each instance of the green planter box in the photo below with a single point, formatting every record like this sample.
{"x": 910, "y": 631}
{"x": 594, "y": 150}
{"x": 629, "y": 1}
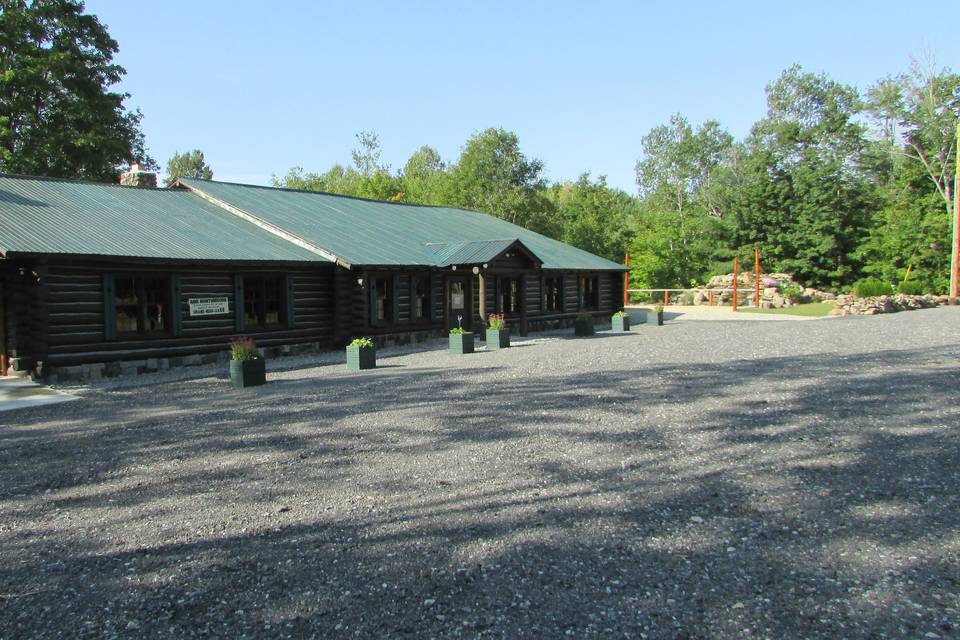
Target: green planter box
{"x": 498, "y": 339}
{"x": 583, "y": 327}
{"x": 461, "y": 343}
{"x": 248, "y": 373}
{"x": 620, "y": 323}
{"x": 361, "y": 358}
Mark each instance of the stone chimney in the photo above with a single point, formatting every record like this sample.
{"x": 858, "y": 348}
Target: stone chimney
{"x": 136, "y": 177}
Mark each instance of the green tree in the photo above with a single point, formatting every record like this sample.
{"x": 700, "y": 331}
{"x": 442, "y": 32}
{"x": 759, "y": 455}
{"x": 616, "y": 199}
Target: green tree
{"x": 492, "y": 175}
{"x": 423, "y": 177}
{"x": 187, "y": 165}
{"x": 338, "y": 179}
{"x": 687, "y": 181}
{"x": 58, "y": 114}
{"x": 367, "y": 178}
{"x": 374, "y": 179}
{"x": 807, "y": 195}
{"x": 917, "y": 113}
{"x": 915, "y": 116}
{"x": 595, "y": 217}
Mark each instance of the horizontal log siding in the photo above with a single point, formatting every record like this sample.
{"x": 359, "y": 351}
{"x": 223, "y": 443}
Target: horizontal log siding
{"x": 534, "y": 295}
{"x": 76, "y": 313}
{"x": 403, "y": 296}
{"x": 605, "y": 301}
{"x": 344, "y": 305}
{"x": 571, "y": 293}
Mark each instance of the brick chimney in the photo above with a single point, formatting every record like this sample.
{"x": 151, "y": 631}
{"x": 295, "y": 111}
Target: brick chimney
{"x": 136, "y": 177}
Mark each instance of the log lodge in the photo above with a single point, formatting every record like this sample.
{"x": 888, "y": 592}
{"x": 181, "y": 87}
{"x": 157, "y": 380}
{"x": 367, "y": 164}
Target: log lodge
{"x": 103, "y": 279}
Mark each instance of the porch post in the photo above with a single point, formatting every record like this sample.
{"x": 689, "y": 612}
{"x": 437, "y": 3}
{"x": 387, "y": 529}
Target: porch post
{"x": 523, "y": 305}
{"x": 482, "y": 298}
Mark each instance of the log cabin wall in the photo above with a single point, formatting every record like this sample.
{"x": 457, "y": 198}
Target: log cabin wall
{"x": 55, "y": 312}
{"x": 402, "y": 328}
{"x": 78, "y": 324}
{"x": 24, "y": 314}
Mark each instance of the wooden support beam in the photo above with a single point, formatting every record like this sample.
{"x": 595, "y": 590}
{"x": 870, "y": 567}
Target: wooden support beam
{"x": 522, "y": 285}
{"x": 482, "y": 298}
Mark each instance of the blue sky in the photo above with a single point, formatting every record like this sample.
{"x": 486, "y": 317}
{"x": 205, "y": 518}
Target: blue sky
{"x": 261, "y": 88}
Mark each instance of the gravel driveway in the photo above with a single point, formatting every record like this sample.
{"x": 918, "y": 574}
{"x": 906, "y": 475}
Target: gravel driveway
{"x": 697, "y": 480}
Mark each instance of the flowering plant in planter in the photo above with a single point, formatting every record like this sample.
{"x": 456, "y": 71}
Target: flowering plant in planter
{"x": 620, "y": 321}
{"x": 243, "y": 348}
{"x": 247, "y": 367}
{"x": 498, "y": 336}
{"x": 361, "y": 354}
{"x": 583, "y": 325}
{"x": 658, "y": 308}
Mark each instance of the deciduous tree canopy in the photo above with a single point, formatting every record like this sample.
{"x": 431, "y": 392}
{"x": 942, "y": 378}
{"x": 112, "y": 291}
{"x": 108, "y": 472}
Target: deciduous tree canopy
{"x": 58, "y": 114}
{"x": 187, "y": 165}
{"x": 831, "y": 185}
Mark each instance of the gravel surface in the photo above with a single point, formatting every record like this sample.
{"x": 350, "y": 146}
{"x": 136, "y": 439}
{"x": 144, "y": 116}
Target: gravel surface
{"x": 696, "y": 480}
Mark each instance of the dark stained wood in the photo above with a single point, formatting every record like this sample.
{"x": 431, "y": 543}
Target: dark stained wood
{"x": 76, "y": 330}
{"x": 60, "y": 314}
{"x": 522, "y": 295}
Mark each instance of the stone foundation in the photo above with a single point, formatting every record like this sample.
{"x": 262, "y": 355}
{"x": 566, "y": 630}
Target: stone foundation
{"x": 92, "y": 372}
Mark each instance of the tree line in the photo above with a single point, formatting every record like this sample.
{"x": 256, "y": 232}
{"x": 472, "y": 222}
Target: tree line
{"x": 833, "y": 184}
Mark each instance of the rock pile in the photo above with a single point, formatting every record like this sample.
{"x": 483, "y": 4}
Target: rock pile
{"x": 848, "y": 305}
{"x": 772, "y": 291}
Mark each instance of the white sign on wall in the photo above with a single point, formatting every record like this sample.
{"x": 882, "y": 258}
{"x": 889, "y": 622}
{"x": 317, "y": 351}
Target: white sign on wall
{"x": 209, "y": 306}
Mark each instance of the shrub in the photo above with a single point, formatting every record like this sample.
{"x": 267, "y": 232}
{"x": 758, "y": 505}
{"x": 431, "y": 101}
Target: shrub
{"x": 457, "y": 331}
{"x": 911, "y": 288}
{"x": 361, "y": 342}
{"x": 686, "y": 298}
{"x": 584, "y": 317}
{"x": 243, "y": 348}
{"x": 658, "y": 307}
{"x": 870, "y": 287}
{"x": 791, "y": 291}
{"x": 620, "y": 314}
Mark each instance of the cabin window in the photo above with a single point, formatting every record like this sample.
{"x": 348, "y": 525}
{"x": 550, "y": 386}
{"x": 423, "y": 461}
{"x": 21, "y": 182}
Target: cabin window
{"x": 420, "y": 297}
{"x": 553, "y": 293}
{"x": 383, "y": 294}
{"x": 509, "y": 301}
{"x": 141, "y": 304}
{"x": 589, "y": 291}
{"x": 264, "y": 304}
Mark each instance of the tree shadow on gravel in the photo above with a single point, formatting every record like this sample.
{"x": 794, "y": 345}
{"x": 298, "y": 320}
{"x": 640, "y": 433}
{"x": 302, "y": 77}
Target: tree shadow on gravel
{"x": 820, "y": 500}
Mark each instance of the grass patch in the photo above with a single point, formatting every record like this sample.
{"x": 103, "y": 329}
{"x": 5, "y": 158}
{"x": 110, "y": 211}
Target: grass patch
{"x": 811, "y": 310}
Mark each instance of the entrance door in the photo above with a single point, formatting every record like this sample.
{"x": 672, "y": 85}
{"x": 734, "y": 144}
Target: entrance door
{"x": 458, "y": 302}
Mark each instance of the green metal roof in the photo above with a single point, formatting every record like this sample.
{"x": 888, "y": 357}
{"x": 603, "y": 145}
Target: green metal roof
{"x": 366, "y": 232}
{"x": 470, "y": 252}
{"x": 48, "y": 216}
